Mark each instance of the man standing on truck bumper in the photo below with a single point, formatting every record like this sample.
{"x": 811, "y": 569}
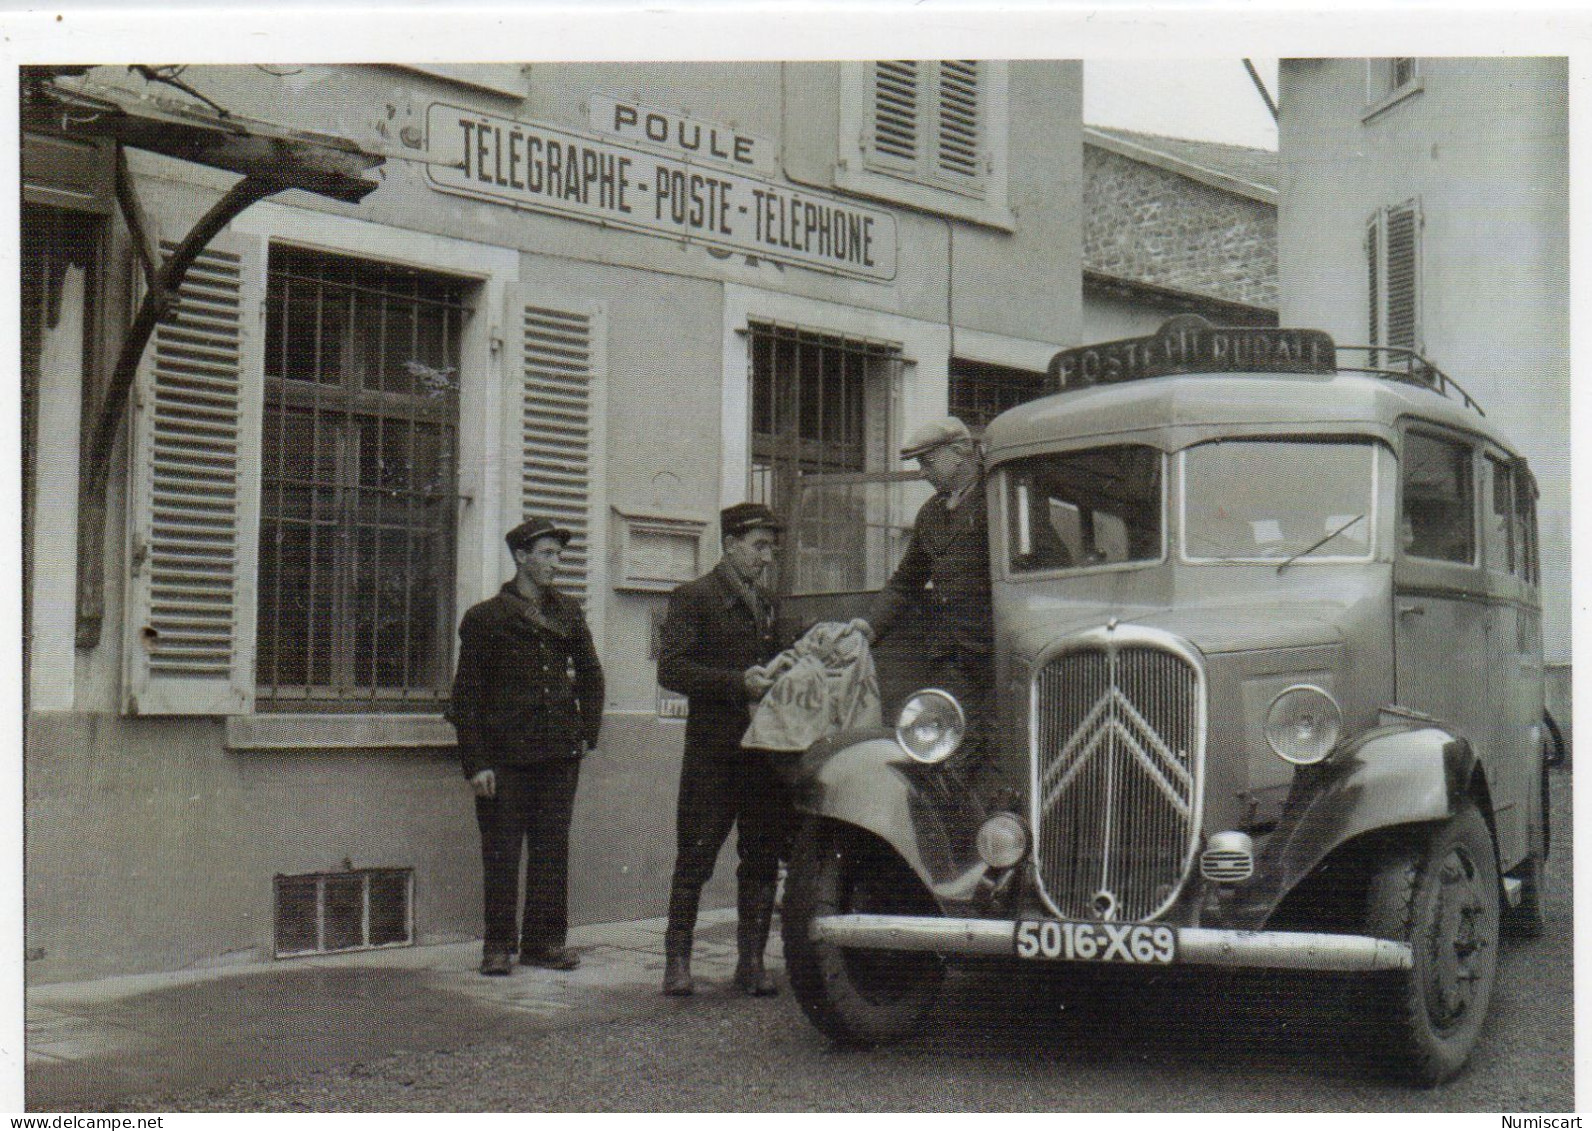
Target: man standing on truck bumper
{"x": 717, "y": 629}
{"x": 947, "y": 562}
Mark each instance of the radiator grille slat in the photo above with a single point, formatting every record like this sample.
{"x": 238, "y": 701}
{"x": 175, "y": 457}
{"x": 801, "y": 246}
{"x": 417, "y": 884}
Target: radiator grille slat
{"x": 1118, "y": 768}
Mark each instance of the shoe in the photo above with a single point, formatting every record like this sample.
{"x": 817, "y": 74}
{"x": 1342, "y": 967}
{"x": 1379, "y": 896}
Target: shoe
{"x": 677, "y": 964}
{"x": 755, "y": 909}
{"x": 497, "y": 964}
{"x": 754, "y": 981}
{"x": 556, "y": 958}
{"x": 677, "y": 977}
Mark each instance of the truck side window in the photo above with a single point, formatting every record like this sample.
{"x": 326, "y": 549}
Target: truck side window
{"x": 1501, "y": 546}
{"x": 1438, "y": 499}
{"x": 1526, "y": 526}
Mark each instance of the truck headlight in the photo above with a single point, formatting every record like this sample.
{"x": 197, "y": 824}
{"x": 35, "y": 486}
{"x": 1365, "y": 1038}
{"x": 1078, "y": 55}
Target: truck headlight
{"x": 1002, "y": 841}
{"x": 1303, "y": 724}
{"x": 931, "y": 726}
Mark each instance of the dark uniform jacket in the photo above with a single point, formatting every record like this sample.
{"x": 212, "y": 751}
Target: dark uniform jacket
{"x": 529, "y": 686}
{"x": 951, "y": 549}
{"x": 710, "y": 637}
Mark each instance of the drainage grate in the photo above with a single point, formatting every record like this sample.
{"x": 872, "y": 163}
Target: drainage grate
{"x": 326, "y": 912}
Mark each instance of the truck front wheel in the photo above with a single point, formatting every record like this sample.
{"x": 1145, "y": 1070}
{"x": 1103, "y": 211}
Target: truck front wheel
{"x": 856, "y": 997}
{"x": 1437, "y": 891}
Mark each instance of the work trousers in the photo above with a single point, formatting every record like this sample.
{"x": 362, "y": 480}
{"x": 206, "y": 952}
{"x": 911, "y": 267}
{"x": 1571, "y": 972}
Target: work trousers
{"x": 718, "y": 791}
{"x": 967, "y": 677}
{"x": 530, "y": 815}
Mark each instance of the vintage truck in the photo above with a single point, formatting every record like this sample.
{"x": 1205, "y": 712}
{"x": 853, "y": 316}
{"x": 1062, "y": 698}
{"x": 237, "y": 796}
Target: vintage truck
{"x": 1269, "y": 694}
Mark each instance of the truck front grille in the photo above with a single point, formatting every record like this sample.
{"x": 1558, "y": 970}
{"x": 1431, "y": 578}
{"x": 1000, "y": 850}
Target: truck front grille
{"x": 1118, "y": 756}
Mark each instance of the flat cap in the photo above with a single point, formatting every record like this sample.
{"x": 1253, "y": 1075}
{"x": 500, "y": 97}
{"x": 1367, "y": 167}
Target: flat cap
{"x": 737, "y": 520}
{"x": 935, "y": 434}
{"x": 524, "y": 536}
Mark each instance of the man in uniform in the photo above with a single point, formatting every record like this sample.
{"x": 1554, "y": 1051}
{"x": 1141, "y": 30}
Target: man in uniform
{"x": 717, "y": 629}
{"x": 527, "y": 704}
{"x": 948, "y": 560}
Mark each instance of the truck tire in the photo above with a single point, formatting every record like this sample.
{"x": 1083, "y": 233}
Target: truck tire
{"x": 1438, "y": 891}
{"x": 858, "y": 998}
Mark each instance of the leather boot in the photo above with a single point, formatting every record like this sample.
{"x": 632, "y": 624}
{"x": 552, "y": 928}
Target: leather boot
{"x": 754, "y": 912}
{"x": 677, "y": 963}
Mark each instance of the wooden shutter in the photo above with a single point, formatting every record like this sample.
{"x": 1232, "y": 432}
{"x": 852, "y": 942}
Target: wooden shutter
{"x": 1373, "y": 277}
{"x": 564, "y": 363}
{"x": 957, "y": 141}
{"x": 194, "y": 509}
{"x": 1403, "y": 226}
{"x": 896, "y": 128}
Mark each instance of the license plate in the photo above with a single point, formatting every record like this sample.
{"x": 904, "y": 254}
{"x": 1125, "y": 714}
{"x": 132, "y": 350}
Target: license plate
{"x": 1137, "y": 944}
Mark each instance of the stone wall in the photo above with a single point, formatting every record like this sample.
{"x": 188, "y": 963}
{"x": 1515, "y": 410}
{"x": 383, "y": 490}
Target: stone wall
{"x": 1146, "y": 224}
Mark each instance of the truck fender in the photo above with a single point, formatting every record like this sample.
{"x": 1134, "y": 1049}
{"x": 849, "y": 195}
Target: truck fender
{"x": 1392, "y": 775}
{"x": 925, "y": 813}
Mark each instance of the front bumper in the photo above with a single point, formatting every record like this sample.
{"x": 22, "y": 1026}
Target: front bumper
{"x": 1196, "y": 946}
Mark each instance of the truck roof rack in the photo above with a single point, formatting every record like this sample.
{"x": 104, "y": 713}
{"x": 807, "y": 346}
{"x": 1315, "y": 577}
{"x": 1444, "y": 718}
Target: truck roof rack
{"x": 1409, "y": 367}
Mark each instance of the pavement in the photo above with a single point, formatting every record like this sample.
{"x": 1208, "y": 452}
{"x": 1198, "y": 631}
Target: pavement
{"x": 92, "y": 1044}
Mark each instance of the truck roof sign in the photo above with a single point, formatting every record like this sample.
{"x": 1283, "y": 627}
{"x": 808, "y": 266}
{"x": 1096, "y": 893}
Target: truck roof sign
{"x": 1194, "y": 346}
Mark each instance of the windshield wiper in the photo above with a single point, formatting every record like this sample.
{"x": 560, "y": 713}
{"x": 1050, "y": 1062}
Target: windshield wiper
{"x": 1320, "y": 542}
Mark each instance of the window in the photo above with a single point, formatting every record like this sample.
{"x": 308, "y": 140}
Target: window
{"x": 1390, "y": 80}
{"x": 818, "y": 405}
{"x": 1392, "y": 255}
{"x": 927, "y": 133}
{"x": 1072, "y": 510}
{"x": 1438, "y": 521}
{"x": 359, "y": 497}
{"x": 1525, "y": 539}
{"x": 1269, "y": 500}
{"x": 928, "y": 122}
{"x": 980, "y": 392}
{"x": 353, "y": 910}
{"x": 1502, "y": 548}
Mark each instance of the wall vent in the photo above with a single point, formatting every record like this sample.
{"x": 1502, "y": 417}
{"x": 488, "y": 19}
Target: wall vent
{"x": 330, "y": 912}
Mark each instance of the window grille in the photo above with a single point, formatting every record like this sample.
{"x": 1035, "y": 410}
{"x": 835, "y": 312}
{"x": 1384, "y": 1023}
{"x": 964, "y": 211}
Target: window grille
{"x": 359, "y": 493}
{"x": 325, "y": 912}
{"x": 818, "y": 405}
{"x": 980, "y": 392}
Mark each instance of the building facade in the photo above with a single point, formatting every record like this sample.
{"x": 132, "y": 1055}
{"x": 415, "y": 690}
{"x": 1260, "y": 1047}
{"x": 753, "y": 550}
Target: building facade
{"x": 1424, "y": 205}
{"x": 623, "y": 296}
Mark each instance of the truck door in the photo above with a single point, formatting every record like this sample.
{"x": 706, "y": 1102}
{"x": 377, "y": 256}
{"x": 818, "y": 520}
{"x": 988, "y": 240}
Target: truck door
{"x": 1441, "y": 606}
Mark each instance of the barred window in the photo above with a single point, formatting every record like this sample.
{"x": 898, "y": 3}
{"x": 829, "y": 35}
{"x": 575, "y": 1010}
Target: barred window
{"x": 359, "y": 494}
{"x": 980, "y": 392}
{"x": 818, "y": 404}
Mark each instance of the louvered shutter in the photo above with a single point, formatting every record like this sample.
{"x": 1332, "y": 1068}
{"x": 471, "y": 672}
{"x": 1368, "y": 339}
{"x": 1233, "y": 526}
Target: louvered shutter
{"x": 895, "y": 111}
{"x": 564, "y": 363}
{"x": 194, "y": 509}
{"x": 1402, "y": 276}
{"x": 957, "y": 140}
{"x": 1373, "y": 278}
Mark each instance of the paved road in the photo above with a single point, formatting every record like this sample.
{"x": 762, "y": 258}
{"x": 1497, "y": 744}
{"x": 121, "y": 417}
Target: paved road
{"x": 1000, "y": 1043}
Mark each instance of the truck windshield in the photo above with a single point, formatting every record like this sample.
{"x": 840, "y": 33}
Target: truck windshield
{"x": 1087, "y": 509}
{"x": 1273, "y": 500}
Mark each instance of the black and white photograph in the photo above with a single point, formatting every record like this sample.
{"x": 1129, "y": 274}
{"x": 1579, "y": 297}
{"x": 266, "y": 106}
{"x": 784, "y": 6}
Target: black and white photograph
{"x": 718, "y": 559}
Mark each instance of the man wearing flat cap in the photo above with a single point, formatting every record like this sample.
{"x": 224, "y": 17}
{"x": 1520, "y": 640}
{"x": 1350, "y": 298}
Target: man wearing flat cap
{"x": 717, "y": 629}
{"x": 527, "y": 704}
{"x": 947, "y": 562}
